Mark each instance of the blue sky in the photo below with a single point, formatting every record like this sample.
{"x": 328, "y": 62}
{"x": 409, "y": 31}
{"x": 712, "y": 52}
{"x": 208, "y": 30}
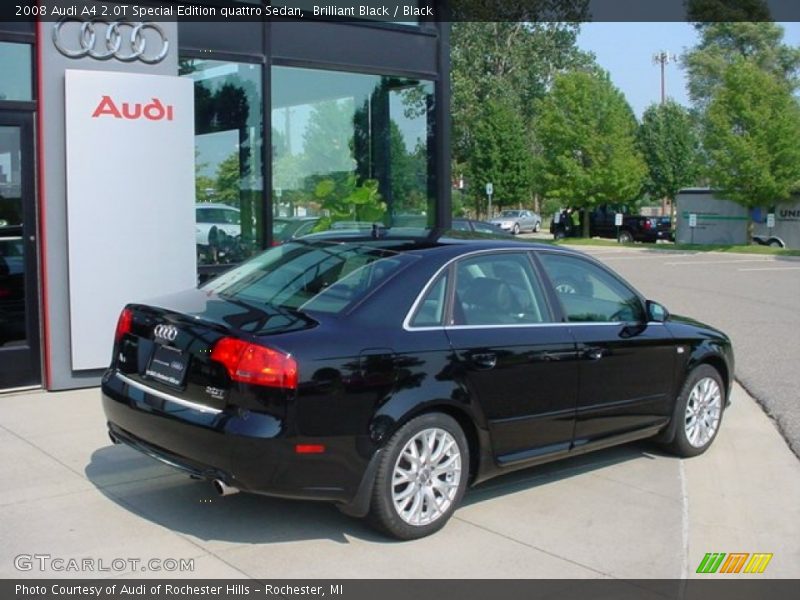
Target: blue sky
{"x": 626, "y": 51}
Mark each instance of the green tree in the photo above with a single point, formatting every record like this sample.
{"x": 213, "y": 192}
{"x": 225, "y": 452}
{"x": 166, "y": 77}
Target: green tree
{"x": 499, "y": 154}
{"x": 513, "y": 61}
{"x": 586, "y": 132}
{"x": 669, "y": 144}
{"x": 751, "y": 133}
{"x": 327, "y": 138}
{"x": 723, "y": 43}
{"x": 229, "y": 175}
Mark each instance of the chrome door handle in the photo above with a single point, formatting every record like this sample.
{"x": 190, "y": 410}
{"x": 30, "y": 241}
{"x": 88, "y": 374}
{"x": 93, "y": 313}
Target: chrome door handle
{"x": 484, "y": 360}
{"x": 593, "y": 353}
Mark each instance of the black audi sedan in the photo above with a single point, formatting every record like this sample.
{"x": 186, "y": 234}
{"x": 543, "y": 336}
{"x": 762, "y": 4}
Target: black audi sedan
{"x": 386, "y": 375}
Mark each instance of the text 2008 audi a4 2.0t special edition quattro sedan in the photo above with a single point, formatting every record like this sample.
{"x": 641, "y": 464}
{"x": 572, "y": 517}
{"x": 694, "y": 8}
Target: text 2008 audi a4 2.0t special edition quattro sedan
{"x": 386, "y": 375}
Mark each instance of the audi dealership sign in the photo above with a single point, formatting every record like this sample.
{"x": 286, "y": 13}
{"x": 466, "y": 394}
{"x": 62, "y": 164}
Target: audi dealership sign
{"x": 130, "y": 198}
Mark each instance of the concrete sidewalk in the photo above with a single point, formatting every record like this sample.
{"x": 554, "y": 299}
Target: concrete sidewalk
{"x": 628, "y": 512}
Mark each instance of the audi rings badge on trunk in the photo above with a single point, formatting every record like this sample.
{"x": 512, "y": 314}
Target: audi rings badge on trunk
{"x": 388, "y": 375}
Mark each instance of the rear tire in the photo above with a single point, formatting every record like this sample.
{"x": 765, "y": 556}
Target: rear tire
{"x": 698, "y": 412}
{"x": 625, "y": 237}
{"x": 421, "y": 477}
{"x": 536, "y": 227}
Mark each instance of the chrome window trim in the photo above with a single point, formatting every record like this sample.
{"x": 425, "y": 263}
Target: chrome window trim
{"x": 412, "y": 311}
{"x": 418, "y": 300}
{"x": 168, "y": 397}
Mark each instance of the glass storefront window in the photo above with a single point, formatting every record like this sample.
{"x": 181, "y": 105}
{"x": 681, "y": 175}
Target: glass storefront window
{"x": 16, "y": 81}
{"x": 229, "y": 198}
{"x": 350, "y": 150}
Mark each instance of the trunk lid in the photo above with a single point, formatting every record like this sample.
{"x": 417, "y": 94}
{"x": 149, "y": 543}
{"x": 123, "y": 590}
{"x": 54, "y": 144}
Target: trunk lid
{"x": 169, "y": 344}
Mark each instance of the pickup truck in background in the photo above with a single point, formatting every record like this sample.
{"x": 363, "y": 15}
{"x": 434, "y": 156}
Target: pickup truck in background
{"x": 634, "y": 228}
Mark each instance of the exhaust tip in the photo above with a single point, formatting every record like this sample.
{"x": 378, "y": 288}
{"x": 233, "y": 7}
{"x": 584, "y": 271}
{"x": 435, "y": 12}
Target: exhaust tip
{"x": 223, "y": 489}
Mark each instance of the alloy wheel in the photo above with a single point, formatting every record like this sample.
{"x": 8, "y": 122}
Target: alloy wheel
{"x": 703, "y": 412}
{"x": 426, "y": 477}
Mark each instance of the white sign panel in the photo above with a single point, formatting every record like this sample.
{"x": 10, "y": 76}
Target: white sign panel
{"x": 130, "y": 199}
{"x": 771, "y": 220}
{"x": 489, "y": 189}
{"x": 693, "y": 220}
{"x": 618, "y": 219}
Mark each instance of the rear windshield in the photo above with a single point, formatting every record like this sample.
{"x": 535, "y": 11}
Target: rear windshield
{"x": 315, "y": 277}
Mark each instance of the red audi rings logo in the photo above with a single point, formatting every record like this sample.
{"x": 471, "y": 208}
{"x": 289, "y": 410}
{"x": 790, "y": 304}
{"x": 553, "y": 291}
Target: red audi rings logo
{"x": 152, "y": 111}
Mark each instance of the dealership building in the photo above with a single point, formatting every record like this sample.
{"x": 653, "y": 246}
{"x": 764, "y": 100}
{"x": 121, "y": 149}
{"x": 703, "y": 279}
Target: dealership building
{"x": 138, "y": 157}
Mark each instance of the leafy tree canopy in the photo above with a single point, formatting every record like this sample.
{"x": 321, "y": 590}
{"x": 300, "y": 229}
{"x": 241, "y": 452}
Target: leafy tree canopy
{"x": 669, "y": 144}
{"x": 751, "y": 133}
{"x": 586, "y": 132}
{"x": 723, "y": 43}
{"x": 499, "y": 154}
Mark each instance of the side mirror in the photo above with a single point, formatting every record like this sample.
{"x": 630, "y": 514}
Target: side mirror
{"x": 656, "y": 312}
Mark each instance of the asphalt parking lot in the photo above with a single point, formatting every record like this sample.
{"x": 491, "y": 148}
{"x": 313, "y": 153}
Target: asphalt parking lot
{"x": 627, "y": 512}
{"x": 753, "y": 298}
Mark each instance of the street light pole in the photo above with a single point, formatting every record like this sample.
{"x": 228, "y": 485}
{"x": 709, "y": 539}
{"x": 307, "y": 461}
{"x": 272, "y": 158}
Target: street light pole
{"x": 663, "y": 58}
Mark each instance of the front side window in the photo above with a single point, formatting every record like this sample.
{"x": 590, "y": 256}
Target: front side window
{"x": 350, "y": 150}
{"x": 228, "y": 159}
{"x": 589, "y": 293}
{"x": 498, "y": 289}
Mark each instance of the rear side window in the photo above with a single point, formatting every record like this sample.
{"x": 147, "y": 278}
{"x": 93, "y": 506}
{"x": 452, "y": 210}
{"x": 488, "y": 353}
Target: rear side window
{"x": 498, "y": 289}
{"x": 430, "y": 312}
{"x": 589, "y": 293}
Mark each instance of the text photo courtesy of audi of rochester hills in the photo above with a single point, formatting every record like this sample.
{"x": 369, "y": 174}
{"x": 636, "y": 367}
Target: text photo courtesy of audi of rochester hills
{"x": 402, "y": 297}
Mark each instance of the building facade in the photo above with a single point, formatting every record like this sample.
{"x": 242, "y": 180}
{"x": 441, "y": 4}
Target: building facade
{"x": 297, "y": 126}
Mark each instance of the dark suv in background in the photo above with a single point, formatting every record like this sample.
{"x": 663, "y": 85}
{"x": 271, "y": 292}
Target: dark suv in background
{"x": 634, "y": 228}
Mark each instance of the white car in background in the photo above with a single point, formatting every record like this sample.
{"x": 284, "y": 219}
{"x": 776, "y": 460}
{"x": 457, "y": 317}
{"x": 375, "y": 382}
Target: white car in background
{"x": 225, "y": 218}
{"x": 517, "y": 221}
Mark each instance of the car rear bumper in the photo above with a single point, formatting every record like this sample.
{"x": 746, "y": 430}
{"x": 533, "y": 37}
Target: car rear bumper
{"x": 244, "y": 449}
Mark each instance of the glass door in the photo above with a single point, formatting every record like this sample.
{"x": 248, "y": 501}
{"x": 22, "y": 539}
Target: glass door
{"x": 19, "y": 303}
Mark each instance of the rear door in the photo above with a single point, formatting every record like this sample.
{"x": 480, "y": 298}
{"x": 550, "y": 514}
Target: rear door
{"x": 519, "y": 365}
{"x": 626, "y": 374}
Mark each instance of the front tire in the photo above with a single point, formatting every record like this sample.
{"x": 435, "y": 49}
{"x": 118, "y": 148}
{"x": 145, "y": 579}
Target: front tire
{"x": 515, "y": 231}
{"x": 421, "y": 477}
{"x": 698, "y": 412}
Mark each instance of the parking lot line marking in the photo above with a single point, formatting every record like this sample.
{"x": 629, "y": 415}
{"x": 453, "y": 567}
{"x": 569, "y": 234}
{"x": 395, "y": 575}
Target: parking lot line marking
{"x": 684, "y": 522}
{"x": 771, "y": 269}
{"x": 720, "y": 262}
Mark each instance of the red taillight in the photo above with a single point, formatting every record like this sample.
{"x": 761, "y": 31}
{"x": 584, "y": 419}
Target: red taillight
{"x": 259, "y": 365}
{"x": 124, "y": 324}
{"x": 309, "y": 448}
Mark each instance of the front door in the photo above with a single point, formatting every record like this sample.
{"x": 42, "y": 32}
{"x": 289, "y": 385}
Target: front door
{"x": 627, "y": 365}
{"x": 19, "y": 304}
{"x": 512, "y": 357}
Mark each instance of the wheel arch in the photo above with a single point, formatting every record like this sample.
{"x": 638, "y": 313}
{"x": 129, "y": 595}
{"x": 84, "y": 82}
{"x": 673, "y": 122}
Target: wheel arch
{"x": 712, "y": 359}
{"x": 476, "y": 438}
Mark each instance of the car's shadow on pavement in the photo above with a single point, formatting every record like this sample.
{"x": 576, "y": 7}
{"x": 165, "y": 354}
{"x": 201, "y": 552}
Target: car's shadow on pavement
{"x": 173, "y": 500}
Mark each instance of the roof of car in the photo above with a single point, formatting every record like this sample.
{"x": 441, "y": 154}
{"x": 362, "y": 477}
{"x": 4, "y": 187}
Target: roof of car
{"x": 436, "y": 238}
